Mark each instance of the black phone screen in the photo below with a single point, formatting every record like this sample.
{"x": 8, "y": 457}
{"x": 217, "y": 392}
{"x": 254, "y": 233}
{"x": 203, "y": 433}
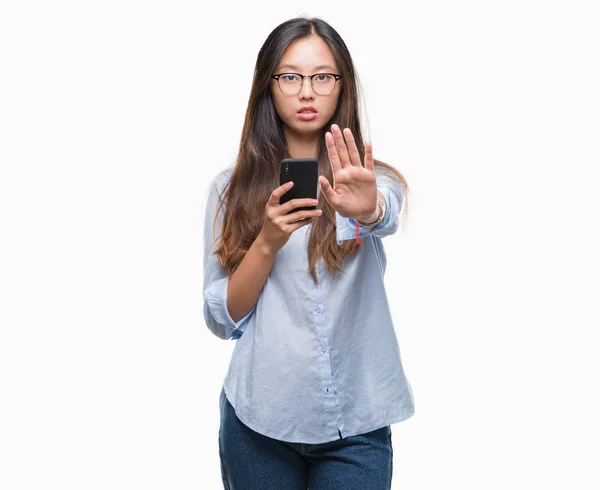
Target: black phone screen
{"x": 304, "y": 172}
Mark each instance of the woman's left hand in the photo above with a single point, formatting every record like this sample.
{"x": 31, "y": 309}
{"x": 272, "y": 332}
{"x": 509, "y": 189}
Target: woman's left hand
{"x": 354, "y": 191}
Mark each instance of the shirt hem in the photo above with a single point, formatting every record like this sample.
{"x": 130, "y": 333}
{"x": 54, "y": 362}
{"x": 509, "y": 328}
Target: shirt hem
{"x": 406, "y": 411}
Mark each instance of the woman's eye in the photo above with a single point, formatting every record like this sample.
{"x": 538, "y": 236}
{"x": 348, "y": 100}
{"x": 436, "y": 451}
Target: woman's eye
{"x": 290, "y": 78}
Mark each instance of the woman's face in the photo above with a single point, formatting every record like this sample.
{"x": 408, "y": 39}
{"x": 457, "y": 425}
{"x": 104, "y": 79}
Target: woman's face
{"x": 307, "y": 56}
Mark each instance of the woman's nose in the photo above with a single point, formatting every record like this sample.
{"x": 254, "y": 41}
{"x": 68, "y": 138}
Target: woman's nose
{"x": 307, "y": 89}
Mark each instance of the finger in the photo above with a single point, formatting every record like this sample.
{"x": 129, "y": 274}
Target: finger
{"x": 369, "y": 163}
{"x": 297, "y": 203}
{"x": 333, "y": 154}
{"x": 278, "y": 192}
{"x": 327, "y": 190}
{"x": 340, "y": 146}
{"x": 299, "y": 224}
{"x": 352, "y": 148}
{"x": 307, "y": 213}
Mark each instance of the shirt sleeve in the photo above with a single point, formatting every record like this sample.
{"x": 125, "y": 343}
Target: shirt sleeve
{"x": 393, "y": 193}
{"x": 216, "y": 315}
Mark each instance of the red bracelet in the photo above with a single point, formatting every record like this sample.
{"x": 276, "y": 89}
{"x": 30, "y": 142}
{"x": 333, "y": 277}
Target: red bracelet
{"x": 358, "y": 239}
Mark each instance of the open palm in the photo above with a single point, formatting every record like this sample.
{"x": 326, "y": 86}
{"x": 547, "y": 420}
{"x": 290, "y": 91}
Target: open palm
{"x": 354, "y": 191}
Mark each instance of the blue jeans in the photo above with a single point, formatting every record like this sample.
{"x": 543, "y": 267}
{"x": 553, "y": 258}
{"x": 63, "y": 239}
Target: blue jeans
{"x": 252, "y": 461}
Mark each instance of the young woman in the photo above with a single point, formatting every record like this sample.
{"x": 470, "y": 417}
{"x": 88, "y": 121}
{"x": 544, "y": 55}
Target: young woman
{"x": 315, "y": 379}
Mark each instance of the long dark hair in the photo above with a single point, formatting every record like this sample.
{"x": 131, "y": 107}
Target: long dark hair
{"x": 263, "y": 145}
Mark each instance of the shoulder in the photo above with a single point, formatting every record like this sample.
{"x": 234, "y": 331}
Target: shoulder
{"x": 220, "y": 181}
{"x": 389, "y": 176}
{"x": 386, "y": 169}
{"x": 393, "y": 186}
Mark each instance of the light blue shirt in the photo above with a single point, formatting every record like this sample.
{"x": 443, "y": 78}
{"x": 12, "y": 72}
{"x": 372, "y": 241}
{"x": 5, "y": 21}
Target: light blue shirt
{"x": 313, "y": 362}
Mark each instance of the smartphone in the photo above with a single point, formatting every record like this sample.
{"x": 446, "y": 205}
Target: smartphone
{"x": 304, "y": 172}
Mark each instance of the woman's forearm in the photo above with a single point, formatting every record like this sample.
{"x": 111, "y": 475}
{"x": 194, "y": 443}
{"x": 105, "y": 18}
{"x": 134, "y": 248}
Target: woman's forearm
{"x": 247, "y": 281}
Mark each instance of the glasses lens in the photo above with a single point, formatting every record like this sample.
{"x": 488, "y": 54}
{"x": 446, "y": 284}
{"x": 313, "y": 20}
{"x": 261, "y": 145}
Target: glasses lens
{"x": 323, "y": 84}
{"x": 290, "y": 83}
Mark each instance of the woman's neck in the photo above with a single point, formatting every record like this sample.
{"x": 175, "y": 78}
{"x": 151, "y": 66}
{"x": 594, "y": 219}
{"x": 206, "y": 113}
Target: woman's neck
{"x": 302, "y": 146}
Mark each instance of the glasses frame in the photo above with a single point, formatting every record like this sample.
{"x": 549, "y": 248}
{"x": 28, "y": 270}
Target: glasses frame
{"x": 335, "y": 75}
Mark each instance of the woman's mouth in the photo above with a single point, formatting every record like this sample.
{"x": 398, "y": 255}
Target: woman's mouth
{"x": 307, "y": 115}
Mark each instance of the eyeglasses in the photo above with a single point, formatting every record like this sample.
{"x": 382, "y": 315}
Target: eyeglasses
{"x": 291, "y": 83}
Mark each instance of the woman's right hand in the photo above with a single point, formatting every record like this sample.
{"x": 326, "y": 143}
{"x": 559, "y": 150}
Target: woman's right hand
{"x": 278, "y": 225}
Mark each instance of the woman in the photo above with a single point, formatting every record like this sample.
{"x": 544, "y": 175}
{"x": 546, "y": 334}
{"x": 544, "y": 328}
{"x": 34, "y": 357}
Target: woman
{"x": 315, "y": 379}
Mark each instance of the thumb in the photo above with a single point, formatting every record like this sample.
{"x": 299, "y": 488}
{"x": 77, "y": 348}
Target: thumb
{"x": 327, "y": 189}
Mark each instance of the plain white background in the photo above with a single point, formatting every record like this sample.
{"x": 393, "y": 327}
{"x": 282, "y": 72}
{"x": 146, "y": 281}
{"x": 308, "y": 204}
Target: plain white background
{"x": 115, "y": 116}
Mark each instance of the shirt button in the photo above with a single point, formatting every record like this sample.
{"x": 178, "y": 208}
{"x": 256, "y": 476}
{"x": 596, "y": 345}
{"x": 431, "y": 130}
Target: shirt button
{"x": 323, "y": 349}
{"x": 318, "y": 309}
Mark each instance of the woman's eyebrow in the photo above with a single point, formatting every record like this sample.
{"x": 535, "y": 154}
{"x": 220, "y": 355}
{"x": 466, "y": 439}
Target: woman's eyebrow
{"x": 294, "y": 67}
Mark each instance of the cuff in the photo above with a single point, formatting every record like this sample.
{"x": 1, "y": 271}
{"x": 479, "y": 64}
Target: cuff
{"x": 346, "y": 227}
{"x": 216, "y": 297}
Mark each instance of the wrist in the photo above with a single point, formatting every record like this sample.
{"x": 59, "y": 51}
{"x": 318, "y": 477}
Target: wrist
{"x": 377, "y": 215}
{"x": 369, "y": 218}
{"x": 264, "y": 247}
